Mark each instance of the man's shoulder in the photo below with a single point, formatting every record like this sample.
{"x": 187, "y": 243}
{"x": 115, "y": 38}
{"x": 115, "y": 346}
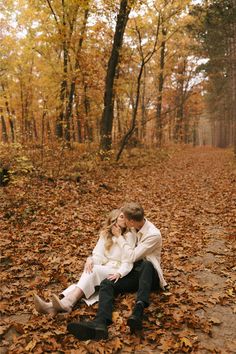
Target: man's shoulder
{"x": 150, "y": 228}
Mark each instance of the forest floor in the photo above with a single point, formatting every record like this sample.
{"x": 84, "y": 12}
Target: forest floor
{"x": 49, "y": 227}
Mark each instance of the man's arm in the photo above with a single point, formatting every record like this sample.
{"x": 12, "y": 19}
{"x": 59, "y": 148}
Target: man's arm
{"x": 145, "y": 247}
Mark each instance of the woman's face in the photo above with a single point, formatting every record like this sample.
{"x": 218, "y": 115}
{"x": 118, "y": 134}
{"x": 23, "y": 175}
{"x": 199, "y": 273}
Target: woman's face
{"x": 121, "y": 220}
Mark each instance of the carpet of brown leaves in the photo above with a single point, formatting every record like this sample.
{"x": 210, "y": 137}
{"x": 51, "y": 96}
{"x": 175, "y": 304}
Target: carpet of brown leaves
{"x": 49, "y": 226}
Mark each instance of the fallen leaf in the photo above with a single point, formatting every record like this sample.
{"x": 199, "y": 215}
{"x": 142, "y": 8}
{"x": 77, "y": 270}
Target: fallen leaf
{"x": 230, "y": 292}
{"x": 30, "y": 346}
{"x": 185, "y": 342}
{"x": 215, "y": 321}
{"x": 115, "y": 316}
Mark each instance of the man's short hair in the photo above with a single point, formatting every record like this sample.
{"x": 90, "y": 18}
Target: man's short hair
{"x": 133, "y": 211}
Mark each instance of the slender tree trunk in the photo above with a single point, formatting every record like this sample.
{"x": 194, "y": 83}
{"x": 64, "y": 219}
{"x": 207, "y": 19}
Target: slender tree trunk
{"x": 69, "y": 107}
{"x": 34, "y": 131}
{"x": 43, "y": 127}
{"x": 179, "y": 127}
{"x": 186, "y": 130}
{"x": 119, "y": 106}
{"x": 160, "y": 89}
{"x": 11, "y": 122}
{"x": 107, "y": 116}
{"x": 22, "y": 128}
{"x": 12, "y": 128}
{"x": 63, "y": 91}
{"x": 194, "y": 134}
{"x": 4, "y": 130}
{"x": 79, "y": 130}
{"x": 49, "y": 131}
{"x": 134, "y": 114}
{"x": 143, "y": 108}
{"x": 86, "y": 100}
{"x": 79, "y": 120}
{"x": 27, "y": 126}
{"x": 179, "y": 120}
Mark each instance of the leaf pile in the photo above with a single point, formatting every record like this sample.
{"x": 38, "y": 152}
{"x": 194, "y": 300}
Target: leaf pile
{"x": 48, "y": 228}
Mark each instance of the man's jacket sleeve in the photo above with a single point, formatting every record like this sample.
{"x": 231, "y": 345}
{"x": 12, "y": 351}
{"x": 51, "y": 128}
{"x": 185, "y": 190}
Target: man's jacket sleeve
{"x": 146, "y": 246}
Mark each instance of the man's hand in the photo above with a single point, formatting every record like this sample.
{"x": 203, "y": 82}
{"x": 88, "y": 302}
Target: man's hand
{"x": 114, "y": 277}
{"x": 88, "y": 267}
{"x": 116, "y": 230}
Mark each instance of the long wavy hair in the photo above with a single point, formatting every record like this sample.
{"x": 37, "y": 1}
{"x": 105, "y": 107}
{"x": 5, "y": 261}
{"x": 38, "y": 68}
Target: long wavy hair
{"x": 106, "y": 229}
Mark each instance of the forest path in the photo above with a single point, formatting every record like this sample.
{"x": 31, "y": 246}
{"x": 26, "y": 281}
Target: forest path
{"x": 217, "y": 282}
{"x": 47, "y": 230}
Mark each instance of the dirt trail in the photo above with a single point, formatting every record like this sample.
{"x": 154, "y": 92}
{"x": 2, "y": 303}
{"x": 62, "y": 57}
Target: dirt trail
{"x": 214, "y": 265}
{"x": 216, "y": 282}
{"x": 189, "y": 193}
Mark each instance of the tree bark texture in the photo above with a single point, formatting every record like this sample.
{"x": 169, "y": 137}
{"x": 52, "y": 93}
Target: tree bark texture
{"x": 160, "y": 90}
{"x": 107, "y": 116}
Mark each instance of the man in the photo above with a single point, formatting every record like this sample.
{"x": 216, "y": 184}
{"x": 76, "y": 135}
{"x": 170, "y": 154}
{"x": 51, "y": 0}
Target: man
{"x": 145, "y": 276}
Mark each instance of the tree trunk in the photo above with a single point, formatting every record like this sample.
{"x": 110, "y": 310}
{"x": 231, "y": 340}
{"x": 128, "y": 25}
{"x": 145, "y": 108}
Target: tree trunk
{"x": 43, "y": 127}
{"x": 11, "y": 122}
{"x": 22, "y": 128}
{"x": 69, "y": 107}
{"x": 12, "y": 128}
{"x": 63, "y": 90}
{"x": 143, "y": 109}
{"x": 34, "y": 129}
{"x": 160, "y": 90}
{"x": 134, "y": 114}
{"x": 107, "y": 116}
{"x": 179, "y": 127}
{"x": 4, "y": 130}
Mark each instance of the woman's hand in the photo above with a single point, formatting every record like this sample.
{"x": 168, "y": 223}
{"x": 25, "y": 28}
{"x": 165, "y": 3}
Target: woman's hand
{"x": 114, "y": 277}
{"x": 88, "y": 267}
{"x": 116, "y": 230}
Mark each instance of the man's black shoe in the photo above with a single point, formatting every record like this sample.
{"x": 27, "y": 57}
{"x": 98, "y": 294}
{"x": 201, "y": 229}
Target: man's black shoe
{"x": 134, "y": 323}
{"x": 88, "y": 330}
{"x": 135, "y": 320}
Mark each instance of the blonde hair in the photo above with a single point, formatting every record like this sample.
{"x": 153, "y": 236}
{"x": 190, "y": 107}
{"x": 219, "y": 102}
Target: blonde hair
{"x": 108, "y": 224}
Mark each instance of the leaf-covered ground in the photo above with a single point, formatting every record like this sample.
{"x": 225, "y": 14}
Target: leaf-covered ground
{"x": 48, "y": 228}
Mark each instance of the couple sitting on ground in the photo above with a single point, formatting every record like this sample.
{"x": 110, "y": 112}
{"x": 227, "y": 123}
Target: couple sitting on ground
{"x": 125, "y": 259}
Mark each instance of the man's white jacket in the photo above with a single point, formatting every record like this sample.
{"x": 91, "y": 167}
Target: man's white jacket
{"x": 149, "y": 244}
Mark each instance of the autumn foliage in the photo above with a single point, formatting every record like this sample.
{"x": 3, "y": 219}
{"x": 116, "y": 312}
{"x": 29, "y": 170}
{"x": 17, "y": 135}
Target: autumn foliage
{"x": 63, "y": 65}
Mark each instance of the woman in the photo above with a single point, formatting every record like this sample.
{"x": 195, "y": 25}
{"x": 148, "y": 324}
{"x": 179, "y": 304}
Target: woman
{"x": 107, "y": 261}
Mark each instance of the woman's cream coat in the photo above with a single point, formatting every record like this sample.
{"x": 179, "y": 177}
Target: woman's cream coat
{"x": 105, "y": 262}
{"x": 115, "y": 258}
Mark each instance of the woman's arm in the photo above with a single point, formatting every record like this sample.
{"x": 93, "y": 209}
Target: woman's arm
{"x": 88, "y": 267}
{"x": 98, "y": 254}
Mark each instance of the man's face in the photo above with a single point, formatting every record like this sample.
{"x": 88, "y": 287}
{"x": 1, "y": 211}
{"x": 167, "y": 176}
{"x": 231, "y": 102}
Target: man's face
{"x": 129, "y": 223}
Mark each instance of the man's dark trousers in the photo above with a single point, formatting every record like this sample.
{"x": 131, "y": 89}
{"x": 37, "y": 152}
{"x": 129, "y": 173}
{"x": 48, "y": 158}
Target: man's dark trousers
{"x": 143, "y": 278}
